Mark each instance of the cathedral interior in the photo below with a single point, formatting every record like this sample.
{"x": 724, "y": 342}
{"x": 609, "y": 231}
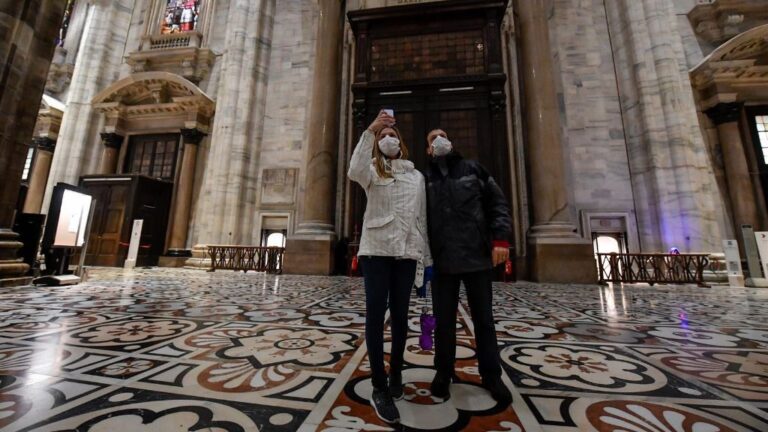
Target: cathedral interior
{"x": 179, "y": 236}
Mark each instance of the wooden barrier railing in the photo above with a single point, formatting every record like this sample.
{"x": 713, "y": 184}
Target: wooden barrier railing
{"x": 260, "y": 259}
{"x": 652, "y": 268}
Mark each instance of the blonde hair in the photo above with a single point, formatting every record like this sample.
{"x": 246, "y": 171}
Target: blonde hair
{"x": 379, "y": 157}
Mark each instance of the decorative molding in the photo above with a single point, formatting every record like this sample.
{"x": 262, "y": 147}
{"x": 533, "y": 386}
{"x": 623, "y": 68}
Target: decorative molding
{"x": 44, "y": 144}
{"x": 178, "y": 53}
{"x": 725, "y": 112}
{"x": 719, "y": 20}
{"x": 192, "y": 136}
{"x": 112, "y": 140}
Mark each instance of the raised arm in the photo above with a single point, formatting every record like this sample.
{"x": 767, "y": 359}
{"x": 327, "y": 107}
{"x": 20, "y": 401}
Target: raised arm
{"x": 360, "y": 164}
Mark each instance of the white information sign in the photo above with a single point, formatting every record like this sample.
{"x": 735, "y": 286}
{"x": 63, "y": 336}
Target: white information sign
{"x": 732, "y": 257}
{"x": 762, "y": 247}
{"x": 133, "y": 247}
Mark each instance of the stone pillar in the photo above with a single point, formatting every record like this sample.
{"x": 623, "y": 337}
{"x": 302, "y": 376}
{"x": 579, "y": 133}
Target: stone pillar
{"x": 98, "y": 66}
{"x": 29, "y": 29}
{"x": 38, "y": 177}
{"x": 559, "y": 254}
{"x": 740, "y": 188}
{"x": 677, "y": 200}
{"x": 227, "y": 204}
{"x": 180, "y": 218}
{"x": 311, "y": 249}
{"x": 112, "y": 143}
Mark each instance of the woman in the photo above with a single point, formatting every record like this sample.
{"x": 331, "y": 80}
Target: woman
{"x": 394, "y": 239}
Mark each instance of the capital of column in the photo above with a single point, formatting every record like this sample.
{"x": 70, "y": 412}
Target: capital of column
{"x": 112, "y": 140}
{"x": 45, "y": 144}
{"x": 725, "y": 112}
{"x": 193, "y": 136}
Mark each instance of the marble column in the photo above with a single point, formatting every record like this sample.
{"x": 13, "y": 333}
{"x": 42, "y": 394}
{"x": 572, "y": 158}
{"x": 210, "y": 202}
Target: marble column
{"x": 676, "y": 197}
{"x": 558, "y": 253}
{"x": 741, "y": 190}
{"x": 98, "y": 66}
{"x": 226, "y": 209}
{"x": 38, "y": 177}
{"x": 311, "y": 249}
{"x": 183, "y": 204}
{"x": 29, "y": 29}
{"x": 112, "y": 143}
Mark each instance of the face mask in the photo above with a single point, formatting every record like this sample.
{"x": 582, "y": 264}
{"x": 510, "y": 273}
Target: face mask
{"x": 441, "y": 146}
{"x": 390, "y": 146}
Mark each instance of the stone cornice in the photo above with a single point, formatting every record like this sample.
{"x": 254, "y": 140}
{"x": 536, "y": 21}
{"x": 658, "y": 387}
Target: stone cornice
{"x": 720, "y": 20}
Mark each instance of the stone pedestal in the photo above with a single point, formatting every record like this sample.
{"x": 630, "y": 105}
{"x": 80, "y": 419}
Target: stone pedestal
{"x": 12, "y": 269}
{"x": 311, "y": 249}
{"x": 309, "y": 256}
{"x": 200, "y": 258}
{"x": 558, "y": 253}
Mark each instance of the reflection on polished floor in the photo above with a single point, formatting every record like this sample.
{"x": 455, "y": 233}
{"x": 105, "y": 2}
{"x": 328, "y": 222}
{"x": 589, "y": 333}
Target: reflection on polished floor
{"x": 167, "y": 350}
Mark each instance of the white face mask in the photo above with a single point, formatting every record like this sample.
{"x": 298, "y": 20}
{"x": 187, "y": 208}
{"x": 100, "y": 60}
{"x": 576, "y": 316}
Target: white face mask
{"x": 441, "y": 146}
{"x": 390, "y": 146}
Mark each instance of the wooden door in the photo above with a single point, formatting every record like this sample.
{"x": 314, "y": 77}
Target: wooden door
{"x": 104, "y": 245}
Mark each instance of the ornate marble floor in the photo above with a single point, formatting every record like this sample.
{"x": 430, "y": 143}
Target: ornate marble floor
{"x": 167, "y": 350}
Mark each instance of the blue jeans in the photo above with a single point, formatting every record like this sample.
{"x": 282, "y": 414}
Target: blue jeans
{"x": 388, "y": 283}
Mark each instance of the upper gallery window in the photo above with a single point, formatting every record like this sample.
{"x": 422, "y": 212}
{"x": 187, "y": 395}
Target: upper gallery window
{"x": 761, "y": 121}
{"x": 28, "y": 164}
{"x": 180, "y": 16}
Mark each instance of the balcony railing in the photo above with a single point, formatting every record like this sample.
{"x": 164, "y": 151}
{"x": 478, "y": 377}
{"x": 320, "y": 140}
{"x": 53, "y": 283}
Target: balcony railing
{"x": 652, "y": 268}
{"x": 172, "y": 40}
{"x": 245, "y": 258}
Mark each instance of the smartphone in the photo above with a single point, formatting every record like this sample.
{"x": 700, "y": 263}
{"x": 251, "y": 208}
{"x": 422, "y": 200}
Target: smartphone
{"x": 390, "y": 112}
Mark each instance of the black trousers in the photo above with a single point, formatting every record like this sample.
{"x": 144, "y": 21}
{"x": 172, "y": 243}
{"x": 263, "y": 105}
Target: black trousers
{"x": 445, "y": 299}
{"x": 388, "y": 283}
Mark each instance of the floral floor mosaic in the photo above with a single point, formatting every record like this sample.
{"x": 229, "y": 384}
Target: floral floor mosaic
{"x": 176, "y": 350}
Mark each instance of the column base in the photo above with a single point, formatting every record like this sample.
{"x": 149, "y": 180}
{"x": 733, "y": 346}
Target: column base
{"x": 562, "y": 262}
{"x": 12, "y": 269}
{"x": 200, "y": 258}
{"x": 309, "y": 256}
{"x": 172, "y": 261}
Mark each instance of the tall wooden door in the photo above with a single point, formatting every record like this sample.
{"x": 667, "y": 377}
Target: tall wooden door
{"x": 104, "y": 248}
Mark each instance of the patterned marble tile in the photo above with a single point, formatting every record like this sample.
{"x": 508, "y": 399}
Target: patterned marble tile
{"x": 168, "y": 350}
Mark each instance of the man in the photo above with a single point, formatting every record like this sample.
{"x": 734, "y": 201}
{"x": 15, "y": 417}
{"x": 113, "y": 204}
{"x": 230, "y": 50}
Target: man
{"x": 469, "y": 228}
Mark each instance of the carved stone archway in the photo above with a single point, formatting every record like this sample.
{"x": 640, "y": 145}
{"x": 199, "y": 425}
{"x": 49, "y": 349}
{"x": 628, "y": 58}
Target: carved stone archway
{"x": 158, "y": 102}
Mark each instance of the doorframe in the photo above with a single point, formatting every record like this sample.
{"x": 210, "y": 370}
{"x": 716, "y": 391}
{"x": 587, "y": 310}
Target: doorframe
{"x": 368, "y": 23}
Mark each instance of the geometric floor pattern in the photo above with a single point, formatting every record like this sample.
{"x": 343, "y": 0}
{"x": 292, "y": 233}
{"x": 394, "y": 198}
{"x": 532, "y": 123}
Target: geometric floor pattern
{"x": 177, "y": 350}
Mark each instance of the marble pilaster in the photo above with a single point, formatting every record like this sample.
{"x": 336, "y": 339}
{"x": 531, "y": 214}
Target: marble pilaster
{"x": 29, "y": 29}
{"x": 311, "y": 250}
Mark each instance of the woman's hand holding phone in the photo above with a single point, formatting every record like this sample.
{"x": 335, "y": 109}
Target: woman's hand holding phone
{"x": 383, "y": 120}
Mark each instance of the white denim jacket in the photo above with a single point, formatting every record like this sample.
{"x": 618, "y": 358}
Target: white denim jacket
{"x": 395, "y": 222}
